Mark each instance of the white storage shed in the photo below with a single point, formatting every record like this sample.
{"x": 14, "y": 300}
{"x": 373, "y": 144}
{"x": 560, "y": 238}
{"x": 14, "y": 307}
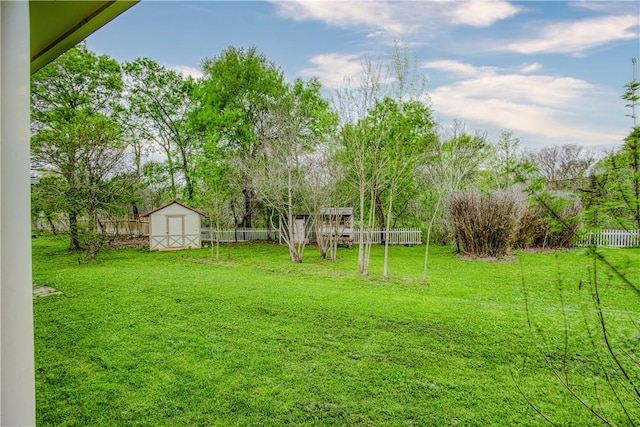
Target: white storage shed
{"x": 174, "y": 226}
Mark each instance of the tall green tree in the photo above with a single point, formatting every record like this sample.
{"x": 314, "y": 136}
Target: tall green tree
{"x": 235, "y": 101}
{"x": 613, "y": 196}
{"x": 213, "y": 189}
{"x": 73, "y": 98}
{"x": 504, "y": 165}
{"x": 386, "y": 119}
{"x": 159, "y": 102}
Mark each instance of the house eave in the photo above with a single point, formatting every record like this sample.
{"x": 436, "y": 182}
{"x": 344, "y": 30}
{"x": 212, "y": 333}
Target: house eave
{"x": 56, "y": 26}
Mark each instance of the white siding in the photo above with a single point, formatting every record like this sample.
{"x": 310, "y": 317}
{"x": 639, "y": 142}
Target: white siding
{"x": 185, "y": 228}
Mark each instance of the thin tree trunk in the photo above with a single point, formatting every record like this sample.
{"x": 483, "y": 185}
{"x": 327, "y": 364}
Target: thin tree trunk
{"x": 362, "y": 236}
{"x": 291, "y": 241}
{"x": 74, "y": 244}
{"x": 172, "y": 173}
{"x": 385, "y": 267}
{"x": 51, "y": 224}
{"x": 217, "y": 238}
{"x": 187, "y": 175}
{"x": 429, "y": 228}
{"x": 380, "y": 217}
{"x": 367, "y": 246}
{"x": 246, "y": 218}
{"x": 93, "y": 235}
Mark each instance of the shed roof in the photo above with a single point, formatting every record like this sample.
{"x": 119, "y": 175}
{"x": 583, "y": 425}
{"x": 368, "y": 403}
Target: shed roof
{"x": 199, "y": 212}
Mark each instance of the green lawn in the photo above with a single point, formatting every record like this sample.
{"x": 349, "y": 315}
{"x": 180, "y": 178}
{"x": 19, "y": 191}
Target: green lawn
{"x": 154, "y": 339}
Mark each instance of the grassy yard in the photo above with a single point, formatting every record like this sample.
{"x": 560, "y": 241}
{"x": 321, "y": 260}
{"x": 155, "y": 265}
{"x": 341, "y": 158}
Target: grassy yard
{"x": 175, "y": 338}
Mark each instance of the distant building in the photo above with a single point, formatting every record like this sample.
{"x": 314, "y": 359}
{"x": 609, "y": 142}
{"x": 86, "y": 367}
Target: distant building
{"x": 338, "y": 222}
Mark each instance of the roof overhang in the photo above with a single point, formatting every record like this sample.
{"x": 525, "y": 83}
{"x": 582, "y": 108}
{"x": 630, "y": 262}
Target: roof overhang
{"x": 56, "y": 26}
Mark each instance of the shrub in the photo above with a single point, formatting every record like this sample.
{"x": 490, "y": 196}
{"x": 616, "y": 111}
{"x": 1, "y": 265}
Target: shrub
{"x": 551, "y": 221}
{"x": 532, "y": 230}
{"x": 485, "y": 224}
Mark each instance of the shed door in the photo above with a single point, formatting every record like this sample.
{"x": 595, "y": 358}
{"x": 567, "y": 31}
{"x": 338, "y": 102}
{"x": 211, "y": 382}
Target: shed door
{"x": 175, "y": 231}
{"x": 298, "y": 230}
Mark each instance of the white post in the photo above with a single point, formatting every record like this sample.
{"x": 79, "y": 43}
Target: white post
{"x": 17, "y": 391}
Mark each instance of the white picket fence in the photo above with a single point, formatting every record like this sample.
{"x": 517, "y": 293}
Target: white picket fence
{"x": 396, "y": 236}
{"x": 610, "y": 238}
{"x": 402, "y": 236}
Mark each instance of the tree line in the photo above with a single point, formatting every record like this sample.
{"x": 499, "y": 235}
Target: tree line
{"x": 252, "y": 148}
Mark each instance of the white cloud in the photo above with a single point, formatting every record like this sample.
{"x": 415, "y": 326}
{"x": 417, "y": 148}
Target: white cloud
{"x": 333, "y": 68}
{"x": 337, "y": 71}
{"x": 539, "y": 105}
{"x": 530, "y": 68}
{"x": 537, "y": 120}
{"x": 185, "y": 70}
{"x": 576, "y": 37}
{"x": 456, "y": 67}
{"x": 379, "y": 15}
{"x": 398, "y": 18}
{"x": 482, "y": 13}
{"x": 536, "y": 89}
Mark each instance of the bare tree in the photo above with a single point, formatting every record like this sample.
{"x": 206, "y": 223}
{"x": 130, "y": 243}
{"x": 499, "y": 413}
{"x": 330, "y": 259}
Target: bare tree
{"x": 564, "y": 167}
{"x": 323, "y": 197}
{"x": 451, "y": 166}
{"x": 360, "y": 151}
{"x": 301, "y": 120}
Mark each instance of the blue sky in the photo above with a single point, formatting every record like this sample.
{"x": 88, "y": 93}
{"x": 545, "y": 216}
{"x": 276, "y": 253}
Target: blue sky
{"x": 551, "y": 71}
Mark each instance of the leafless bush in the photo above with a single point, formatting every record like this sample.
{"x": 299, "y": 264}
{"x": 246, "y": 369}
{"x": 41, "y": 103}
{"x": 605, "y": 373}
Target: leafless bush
{"x": 553, "y": 224}
{"x": 485, "y": 224}
{"x": 532, "y": 231}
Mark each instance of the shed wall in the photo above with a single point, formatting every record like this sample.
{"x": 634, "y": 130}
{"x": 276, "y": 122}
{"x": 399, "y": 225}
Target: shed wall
{"x": 174, "y": 227}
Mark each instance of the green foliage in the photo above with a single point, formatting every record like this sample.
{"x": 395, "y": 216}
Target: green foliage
{"x": 401, "y": 134}
{"x": 506, "y": 163}
{"x": 235, "y": 100}
{"x": 75, "y": 131}
{"x": 612, "y": 198}
{"x": 76, "y": 84}
{"x": 174, "y": 339}
{"x": 48, "y": 201}
{"x": 235, "y": 97}
{"x": 160, "y": 101}
{"x": 301, "y": 121}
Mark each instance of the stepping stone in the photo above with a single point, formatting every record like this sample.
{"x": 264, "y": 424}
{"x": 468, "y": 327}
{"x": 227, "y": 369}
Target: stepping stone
{"x": 43, "y": 291}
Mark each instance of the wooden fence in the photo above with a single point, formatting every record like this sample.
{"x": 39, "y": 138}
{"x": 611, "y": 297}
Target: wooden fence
{"x": 238, "y": 235}
{"x": 405, "y": 236}
{"x": 610, "y": 238}
{"x": 126, "y": 227}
